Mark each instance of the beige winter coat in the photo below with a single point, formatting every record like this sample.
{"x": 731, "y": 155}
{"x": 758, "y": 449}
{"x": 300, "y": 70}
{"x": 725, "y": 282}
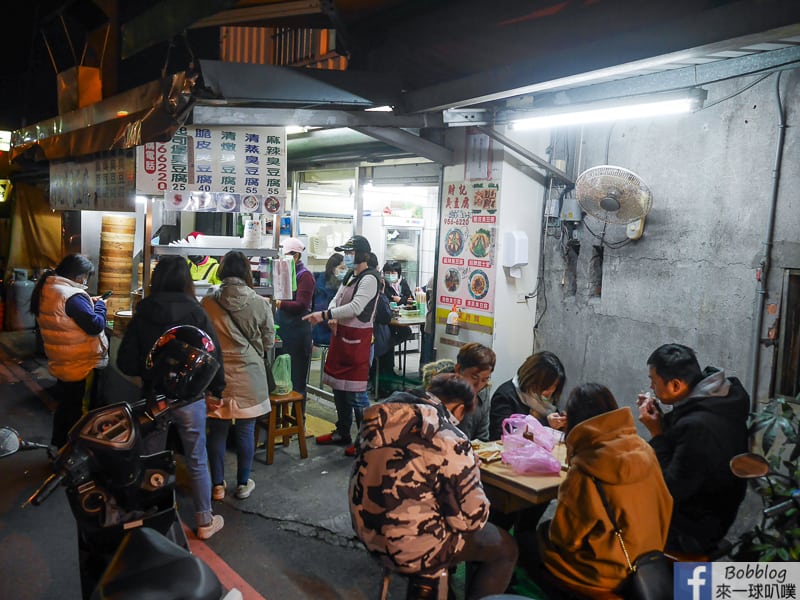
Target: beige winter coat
{"x": 243, "y": 347}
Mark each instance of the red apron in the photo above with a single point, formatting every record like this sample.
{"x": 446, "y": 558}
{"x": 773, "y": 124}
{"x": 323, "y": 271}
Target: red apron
{"x": 347, "y": 363}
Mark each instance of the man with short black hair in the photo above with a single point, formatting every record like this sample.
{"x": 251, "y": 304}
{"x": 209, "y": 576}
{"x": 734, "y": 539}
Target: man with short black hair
{"x": 694, "y": 443}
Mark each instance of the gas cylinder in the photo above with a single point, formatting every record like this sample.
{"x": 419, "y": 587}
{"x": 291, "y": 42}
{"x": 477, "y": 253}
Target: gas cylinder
{"x": 18, "y": 302}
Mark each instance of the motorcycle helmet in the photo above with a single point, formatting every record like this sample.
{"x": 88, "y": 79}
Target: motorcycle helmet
{"x": 180, "y": 364}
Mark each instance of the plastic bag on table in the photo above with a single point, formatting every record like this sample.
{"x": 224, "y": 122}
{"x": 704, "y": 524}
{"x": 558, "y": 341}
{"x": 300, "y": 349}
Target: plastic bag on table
{"x": 531, "y": 459}
{"x": 518, "y": 429}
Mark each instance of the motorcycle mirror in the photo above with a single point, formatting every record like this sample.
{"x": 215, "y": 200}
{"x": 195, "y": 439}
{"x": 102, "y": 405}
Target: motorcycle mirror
{"x": 10, "y": 441}
{"x": 749, "y": 465}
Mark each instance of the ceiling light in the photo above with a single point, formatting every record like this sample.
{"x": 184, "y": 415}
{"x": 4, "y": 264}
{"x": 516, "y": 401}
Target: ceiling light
{"x": 636, "y": 108}
{"x": 290, "y": 129}
{"x": 379, "y": 109}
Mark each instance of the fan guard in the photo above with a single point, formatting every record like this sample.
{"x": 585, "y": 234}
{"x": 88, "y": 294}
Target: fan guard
{"x": 613, "y": 194}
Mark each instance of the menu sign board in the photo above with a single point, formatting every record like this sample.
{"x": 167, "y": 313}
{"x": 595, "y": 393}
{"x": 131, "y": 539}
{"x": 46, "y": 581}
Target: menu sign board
{"x": 467, "y": 253}
{"x": 242, "y": 162}
{"x": 101, "y": 182}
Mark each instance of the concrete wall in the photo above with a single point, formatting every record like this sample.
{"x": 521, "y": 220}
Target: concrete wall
{"x": 692, "y": 277}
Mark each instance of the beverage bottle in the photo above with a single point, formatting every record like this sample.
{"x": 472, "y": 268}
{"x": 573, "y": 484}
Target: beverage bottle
{"x": 452, "y": 327}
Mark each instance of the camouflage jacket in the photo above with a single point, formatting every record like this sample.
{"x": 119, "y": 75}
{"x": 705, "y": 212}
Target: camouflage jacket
{"x": 416, "y": 488}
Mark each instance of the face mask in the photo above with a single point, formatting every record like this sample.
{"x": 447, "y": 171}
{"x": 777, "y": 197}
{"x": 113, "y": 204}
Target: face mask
{"x": 391, "y": 278}
{"x": 349, "y": 260}
{"x": 340, "y": 274}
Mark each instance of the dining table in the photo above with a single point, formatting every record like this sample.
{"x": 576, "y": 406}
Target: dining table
{"x": 509, "y": 491}
{"x": 404, "y": 319}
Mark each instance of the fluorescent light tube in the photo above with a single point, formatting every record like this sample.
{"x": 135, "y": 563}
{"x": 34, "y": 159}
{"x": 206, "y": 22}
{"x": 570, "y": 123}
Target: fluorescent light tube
{"x": 613, "y": 113}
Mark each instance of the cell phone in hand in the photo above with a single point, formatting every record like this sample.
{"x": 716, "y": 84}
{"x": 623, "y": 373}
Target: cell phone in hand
{"x": 107, "y": 294}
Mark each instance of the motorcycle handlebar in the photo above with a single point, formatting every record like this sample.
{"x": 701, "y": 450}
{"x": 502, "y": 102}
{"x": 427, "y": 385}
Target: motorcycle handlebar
{"x": 47, "y": 488}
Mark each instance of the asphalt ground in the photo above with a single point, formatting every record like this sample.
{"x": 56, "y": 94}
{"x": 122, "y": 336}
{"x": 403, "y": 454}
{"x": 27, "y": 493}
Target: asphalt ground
{"x": 292, "y": 538}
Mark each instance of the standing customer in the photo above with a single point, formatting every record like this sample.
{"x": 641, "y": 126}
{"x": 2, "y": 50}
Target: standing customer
{"x": 294, "y": 331}
{"x": 350, "y": 318}
{"x": 326, "y": 287}
{"x": 72, "y": 325}
{"x": 243, "y": 321}
{"x": 579, "y": 547}
{"x": 172, "y": 302}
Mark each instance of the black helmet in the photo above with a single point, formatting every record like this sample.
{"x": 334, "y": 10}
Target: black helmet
{"x": 180, "y": 364}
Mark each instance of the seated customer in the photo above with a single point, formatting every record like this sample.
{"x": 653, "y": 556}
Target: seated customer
{"x": 475, "y": 362}
{"x": 534, "y": 390}
{"x": 580, "y": 547}
{"x": 695, "y": 443}
{"x": 416, "y": 498}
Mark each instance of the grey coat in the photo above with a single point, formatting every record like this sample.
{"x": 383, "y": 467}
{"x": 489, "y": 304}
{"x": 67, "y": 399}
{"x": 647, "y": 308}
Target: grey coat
{"x": 243, "y": 346}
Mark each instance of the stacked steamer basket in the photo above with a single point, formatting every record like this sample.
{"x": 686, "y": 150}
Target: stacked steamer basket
{"x": 116, "y": 261}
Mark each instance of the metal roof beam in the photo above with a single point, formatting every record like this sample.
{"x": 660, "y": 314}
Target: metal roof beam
{"x": 413, "y": 143}
{"x": 276, "y": 117}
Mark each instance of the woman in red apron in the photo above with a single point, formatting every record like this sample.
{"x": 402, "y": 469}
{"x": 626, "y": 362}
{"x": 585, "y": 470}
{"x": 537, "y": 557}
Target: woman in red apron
{"x": 350, "y": 318}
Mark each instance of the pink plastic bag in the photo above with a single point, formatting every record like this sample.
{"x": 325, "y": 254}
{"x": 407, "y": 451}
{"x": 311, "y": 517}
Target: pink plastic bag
{"x": 531, "y": 459}
{"x": 518, "y": 429}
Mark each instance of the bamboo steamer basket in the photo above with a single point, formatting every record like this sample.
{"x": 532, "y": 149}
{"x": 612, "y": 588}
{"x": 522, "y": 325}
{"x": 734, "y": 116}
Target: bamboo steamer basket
{"x": 116, "y": 261}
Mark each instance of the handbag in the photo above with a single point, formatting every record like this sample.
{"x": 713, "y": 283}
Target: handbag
{"x": 271, "y": 385}
{"x": 650, "y": 576}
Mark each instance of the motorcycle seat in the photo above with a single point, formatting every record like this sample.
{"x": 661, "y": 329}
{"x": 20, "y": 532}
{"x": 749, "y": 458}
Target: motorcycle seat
{"x": 148, "y": 566}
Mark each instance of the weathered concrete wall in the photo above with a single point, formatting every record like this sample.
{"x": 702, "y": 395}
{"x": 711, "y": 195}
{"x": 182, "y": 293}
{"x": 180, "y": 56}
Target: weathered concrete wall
{"x": 692, "y": 277}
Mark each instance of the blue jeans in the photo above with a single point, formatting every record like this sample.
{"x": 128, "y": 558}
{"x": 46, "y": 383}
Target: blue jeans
{"x": 190, "y": 421}
{"x": 244, "y": 436}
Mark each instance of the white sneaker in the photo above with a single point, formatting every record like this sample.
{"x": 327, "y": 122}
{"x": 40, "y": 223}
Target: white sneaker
{"x": 218, "y": 492}
{"x": 207, "y": 531}
{"x": 244, "y": 491}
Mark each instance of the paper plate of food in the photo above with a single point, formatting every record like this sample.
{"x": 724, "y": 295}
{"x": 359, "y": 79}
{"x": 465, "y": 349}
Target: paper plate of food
{"x": 487, "y": 451}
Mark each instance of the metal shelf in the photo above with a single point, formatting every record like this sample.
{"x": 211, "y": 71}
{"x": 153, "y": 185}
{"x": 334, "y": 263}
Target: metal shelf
{"x": 203, "y": 251}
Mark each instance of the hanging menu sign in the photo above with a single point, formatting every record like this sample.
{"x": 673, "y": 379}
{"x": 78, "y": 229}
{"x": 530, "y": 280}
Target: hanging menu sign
{"x": 102, "y": 182}
{"x": 216, "y": 168}
{"x": 467, "y": 253}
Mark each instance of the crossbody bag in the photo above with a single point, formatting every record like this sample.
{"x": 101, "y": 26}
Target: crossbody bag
{"x": 650, "y": 575}
{"x": 267, "y": 366}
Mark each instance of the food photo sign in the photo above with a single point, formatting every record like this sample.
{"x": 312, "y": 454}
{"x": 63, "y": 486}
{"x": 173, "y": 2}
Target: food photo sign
{"x": 467, "y": 253}
{"x": 207, "y": 168}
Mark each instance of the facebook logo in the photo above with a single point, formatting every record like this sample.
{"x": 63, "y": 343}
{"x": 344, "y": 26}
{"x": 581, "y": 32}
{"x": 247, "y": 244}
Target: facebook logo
{"x": 692, "y": 581}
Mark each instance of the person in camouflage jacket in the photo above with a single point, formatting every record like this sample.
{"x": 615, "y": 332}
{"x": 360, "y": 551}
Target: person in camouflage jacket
{"x": 416, "y": 498}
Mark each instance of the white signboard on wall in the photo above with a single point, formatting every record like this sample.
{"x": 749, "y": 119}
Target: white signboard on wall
{"x": 215, "y": 159}
{"x": 101, "y": 182}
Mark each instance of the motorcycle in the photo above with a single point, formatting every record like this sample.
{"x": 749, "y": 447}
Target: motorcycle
{"x": 131, "y": 541}
{"x": 777, "y": 536}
